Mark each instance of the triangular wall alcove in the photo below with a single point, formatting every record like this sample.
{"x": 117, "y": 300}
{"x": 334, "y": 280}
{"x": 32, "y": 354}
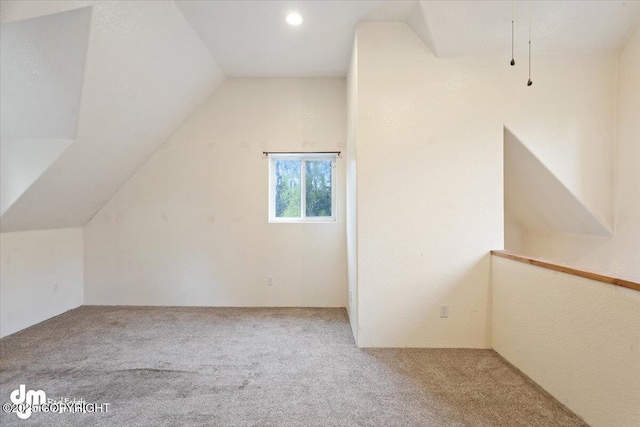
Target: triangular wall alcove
{"x": 535, "y": 199}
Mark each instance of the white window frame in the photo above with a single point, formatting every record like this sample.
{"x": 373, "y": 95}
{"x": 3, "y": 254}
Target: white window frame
{"x": 303, "y": 157}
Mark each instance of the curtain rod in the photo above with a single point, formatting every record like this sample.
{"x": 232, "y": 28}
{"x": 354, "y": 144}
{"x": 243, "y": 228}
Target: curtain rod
{"x": 266, "y": 153}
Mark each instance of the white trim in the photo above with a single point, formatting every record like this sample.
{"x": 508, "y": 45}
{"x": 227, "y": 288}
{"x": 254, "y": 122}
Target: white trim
{"x": 303, "y": 189}
{"x": 303, "y": 158}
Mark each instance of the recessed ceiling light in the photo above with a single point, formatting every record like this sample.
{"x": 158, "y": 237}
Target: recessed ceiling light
{"x": 294, "y": 19}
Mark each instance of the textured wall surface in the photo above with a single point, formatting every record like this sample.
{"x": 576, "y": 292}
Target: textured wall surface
{"x": 41, "y": 70}
{"x": 429, "y": 153}
{"x": 514, "y": 234}
{"x": 351, "y": 192}
{"x": 32, "y": 264}
{"x": 619, "y": 255}
{"x": 429, "y": 197}
{"x": 191, "y": 227}
{"x": 534, "y": 195}
{"x": 146, "y": 71}
{"x": 577, "y": 338}
{"x": 22, "y": 162}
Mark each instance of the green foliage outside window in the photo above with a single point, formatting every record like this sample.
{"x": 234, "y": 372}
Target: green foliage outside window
{"x": 288, "y": 188}
{"x": 318, "y": 189}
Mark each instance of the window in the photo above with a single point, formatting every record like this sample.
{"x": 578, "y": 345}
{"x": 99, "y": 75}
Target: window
{"x": 301, "y": 188}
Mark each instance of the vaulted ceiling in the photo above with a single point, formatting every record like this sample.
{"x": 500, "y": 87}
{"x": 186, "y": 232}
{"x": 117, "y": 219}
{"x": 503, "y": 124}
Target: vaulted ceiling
{"x": 138, "y": 69}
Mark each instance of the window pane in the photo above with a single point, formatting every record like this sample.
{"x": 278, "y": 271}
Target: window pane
{"x": 288, "y": 188}
{"x": 318, "y": 181}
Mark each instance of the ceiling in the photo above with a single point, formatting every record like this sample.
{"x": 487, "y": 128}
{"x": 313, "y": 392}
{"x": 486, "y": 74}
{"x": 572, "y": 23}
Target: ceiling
{"x": 252, "y": 39}
{"x": 463, "y": 28}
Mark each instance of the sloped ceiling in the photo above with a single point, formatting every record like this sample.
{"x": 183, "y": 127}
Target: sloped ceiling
{"x": 41, "y": 69}
{"x": 538, "y": 200}
{"x": 146, "y": 71}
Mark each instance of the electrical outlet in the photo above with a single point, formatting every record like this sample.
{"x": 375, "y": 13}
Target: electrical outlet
{"x": 55, "y": 288}
{"x": 444, "y": 311}
{"x": 269, "y": 281}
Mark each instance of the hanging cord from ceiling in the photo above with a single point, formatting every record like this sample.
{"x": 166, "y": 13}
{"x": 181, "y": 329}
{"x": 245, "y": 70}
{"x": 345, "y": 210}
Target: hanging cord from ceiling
{"x": 529, "y": 83}
{"x": 513, "y": 7}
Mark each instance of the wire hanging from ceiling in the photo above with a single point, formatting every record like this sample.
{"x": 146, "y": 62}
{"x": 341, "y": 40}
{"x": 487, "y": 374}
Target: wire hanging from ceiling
{"x": 513, "y": 7}
{"x": 529, "y": 82}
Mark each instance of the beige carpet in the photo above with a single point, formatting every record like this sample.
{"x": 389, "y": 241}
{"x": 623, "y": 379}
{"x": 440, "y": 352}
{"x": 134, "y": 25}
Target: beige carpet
{"x": 258, "y": 367}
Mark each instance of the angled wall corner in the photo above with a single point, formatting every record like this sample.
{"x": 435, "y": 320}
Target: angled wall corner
{"x": 417, "y": 21}
{"x": 22, "y": 162}
{"x": 351, "y": 191}
{"x": 538, "y": 199}
{"x": 146, "y": 72}
{"x": 41, "y": 76}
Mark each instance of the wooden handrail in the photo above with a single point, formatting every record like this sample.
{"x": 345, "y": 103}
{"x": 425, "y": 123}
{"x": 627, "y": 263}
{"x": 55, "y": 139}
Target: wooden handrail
{"x": 569, "y": 270}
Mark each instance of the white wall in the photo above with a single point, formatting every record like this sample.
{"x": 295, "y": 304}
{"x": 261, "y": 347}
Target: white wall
{"x": 22, "y": 162}
{"x": 33, "y": 262}
{"x": 422, "y": 171}
{"x": 191, "y": 227}
{"x": 619, "y": 255}
{"x": 534, "y": 195}
{"x": 42, "y": 66}
{"x": 429, "y": 185}
{"x": 514, "y": 234}
{"x": 351, "y": 191}
{"x": 577, "y": 338}
{"x": 41, "y": 70}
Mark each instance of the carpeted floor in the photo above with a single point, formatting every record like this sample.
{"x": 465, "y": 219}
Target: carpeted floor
{"x": 258, "y": 367}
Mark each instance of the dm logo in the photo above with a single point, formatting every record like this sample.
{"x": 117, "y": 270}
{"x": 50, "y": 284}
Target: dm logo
{"x": 25, "y": 400}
